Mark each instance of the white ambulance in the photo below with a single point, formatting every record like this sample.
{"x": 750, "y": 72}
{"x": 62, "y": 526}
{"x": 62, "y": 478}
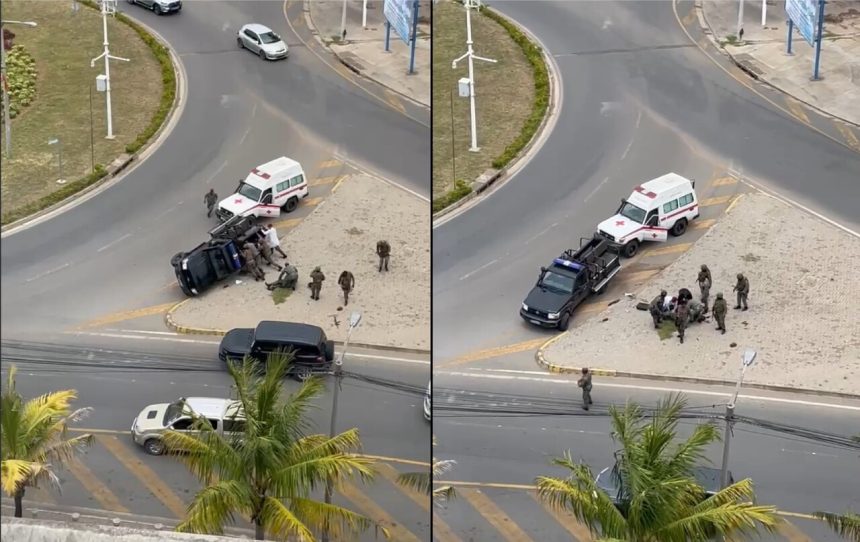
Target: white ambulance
{"x": 273, "y": 186}
{"x": 655, "y": 209}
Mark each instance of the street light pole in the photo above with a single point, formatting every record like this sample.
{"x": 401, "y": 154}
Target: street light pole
{"x": 748, "y": 359}
{"x": 6, "y": 116}
{"x": 343, "y": 23}
{"x": 108, "y": 7}
{"x": 470, "y": 54}
{"x": 354, "y": 320}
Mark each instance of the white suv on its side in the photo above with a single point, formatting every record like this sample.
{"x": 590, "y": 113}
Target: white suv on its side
{"x": 263, "y": 41}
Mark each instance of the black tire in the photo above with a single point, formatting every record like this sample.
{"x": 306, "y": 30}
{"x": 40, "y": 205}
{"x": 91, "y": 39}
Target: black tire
{"x": 630, "y": 249}
{"x": 329, "y": 350}
{"x": 174, "y": 261}
{"x": 240, "y": 43}
{"x": 302, "y": 372}
{"x": 262, "y": 54}
{"x": 564, "y": 321}
{"x": 153, "y": 446}
{"x": 291, "y": 204}
{"x": 157, "y": 9}
{"x": 679, "y": 228}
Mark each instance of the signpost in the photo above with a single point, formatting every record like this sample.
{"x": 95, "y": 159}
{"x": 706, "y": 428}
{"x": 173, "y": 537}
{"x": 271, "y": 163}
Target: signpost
{"x": 401, "y": 14}
{"x": 808, "y": 17}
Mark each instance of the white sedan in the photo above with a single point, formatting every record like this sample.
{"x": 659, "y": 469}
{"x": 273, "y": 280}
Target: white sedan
{"x": 263, "y": 41}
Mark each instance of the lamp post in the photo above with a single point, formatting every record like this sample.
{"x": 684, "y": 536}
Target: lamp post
{"x": 108, "y": 8}
{"x": 6, "y": 118}
{"x": 470, "y": 54}
{"x": 748, "y": 359}
{"x": 354, "y": 320}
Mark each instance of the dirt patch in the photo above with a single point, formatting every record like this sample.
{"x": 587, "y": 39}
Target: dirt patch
{"x": 341, "y": 234}
{"x": 63, "y": 45}
{"x": 802, "y": 319}
{"x": 504, "y": 95}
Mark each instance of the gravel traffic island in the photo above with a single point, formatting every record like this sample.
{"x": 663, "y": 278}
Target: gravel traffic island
{"x": 340, "y": 234}
{"x": 802, "y": 317}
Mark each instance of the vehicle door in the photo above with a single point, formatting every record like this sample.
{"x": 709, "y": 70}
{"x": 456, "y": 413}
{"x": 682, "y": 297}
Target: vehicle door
{"x": 251, "y": 40}
{"x": 653, "y": 230}
{"x": 580, "y": 288}
{"x": 185, "y": 425}
{"x": 233, "y": 427}
{"x": 268, "y": 208}
{"x": 261, "y": 350}
{"x": 310, "y": 356}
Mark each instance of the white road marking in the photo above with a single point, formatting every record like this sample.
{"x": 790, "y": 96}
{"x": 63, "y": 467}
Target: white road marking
{"x": 817, "y": 454}
{"x": 629, "y": 146}
{"x": 530, "y": 239}
{"x": 46, "y": 273}
{"x": 638, "y": 118}
{"x": 112, "y": 243}
{"x": 224, "y": 27}
{"x": 389, "y": 358}
{"x": 217, "y": 171}
{"x": 171, "y": 333}
{"x": 650, "y": 388}
{"x": 368, "y": 171}
{"x": 486, "y": 265}
{"x": 596, "y": 188}
{"x": 607, "y": 23}
{"x": 162, "y": 213}
{"x": 123, "y": 336}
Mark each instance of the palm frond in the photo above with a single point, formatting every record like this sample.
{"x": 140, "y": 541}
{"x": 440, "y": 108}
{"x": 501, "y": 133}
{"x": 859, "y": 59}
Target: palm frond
{"x": 726, "y": 519}
{"x": 15, "y": 474}
{"x": 340, "y": 522}
{"x": 845, "y": 525}
{"x": 216, "y": 505}
{"x": 420, "y": 482}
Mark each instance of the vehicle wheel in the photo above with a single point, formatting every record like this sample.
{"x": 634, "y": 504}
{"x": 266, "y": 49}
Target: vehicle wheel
{"x": 302, "y": 373}
{"x": 262, "y": 54}
{"x": 329, "y": 350}
{"x": 153, "y": 446}
{"x": 291, "y": 204}
{"x": 564, "y": 322}
{"x": 631, "y": 248}
{"x": 174, "y": 261}
{"x": 240, "y": 43}
{"x": 679, "y": 228}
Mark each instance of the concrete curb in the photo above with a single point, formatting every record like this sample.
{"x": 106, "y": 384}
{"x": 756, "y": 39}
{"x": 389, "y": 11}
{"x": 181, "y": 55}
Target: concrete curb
{"x": 121, "y": 163}
{"x": 313, "y": 28}
{"x": 171, "y": 324}
{"x": 709, "y": 32}
{"x": 555, "y": 368}
{"x": 537, "y": 140}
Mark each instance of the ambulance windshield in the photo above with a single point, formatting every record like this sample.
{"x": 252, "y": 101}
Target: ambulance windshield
{"x": 628, "y": 210}
{"x": 250, "y": 192}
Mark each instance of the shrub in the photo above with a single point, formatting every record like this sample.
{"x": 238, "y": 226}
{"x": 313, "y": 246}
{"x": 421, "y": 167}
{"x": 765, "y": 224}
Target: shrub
{"x": 21, "y": 72}
{"x": 461, "y": 190}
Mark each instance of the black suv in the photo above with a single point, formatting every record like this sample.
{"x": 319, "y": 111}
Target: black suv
{"x": 312, "y": 351}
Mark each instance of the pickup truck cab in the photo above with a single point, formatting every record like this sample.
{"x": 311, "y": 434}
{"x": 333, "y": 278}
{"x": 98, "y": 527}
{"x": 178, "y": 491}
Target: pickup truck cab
{"x": 312, "y": 352}
{"x": 224, "y": 415}
{"x": 570, "y": 279}
{"x": 270, "y": 187}
{"x": 707, "y": 477}
{"x": 654, "y": 209}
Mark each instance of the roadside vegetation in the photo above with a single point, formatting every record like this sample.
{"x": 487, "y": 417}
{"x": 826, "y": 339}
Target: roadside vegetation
{"x": 58, "y": 91}
{"x": 422, "y": 482}
{"x": 506, "y": 92}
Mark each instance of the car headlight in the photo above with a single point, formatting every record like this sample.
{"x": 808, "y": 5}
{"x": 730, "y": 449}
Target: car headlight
{"x": 525, "y": 307}
{"x": 552, "y": 315}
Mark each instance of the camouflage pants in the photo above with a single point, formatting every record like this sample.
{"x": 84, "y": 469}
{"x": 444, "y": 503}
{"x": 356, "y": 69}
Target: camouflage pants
{"x": 383, "y": 261}
{"x": 657, "y": 316}
{"x": 706, "y": 293}
{"x": 252, "y": 268}
{"x": 742, "y": 300}
{"x": 586, "y": 397}
{"x": 315, "y": 290}
{"x": 721, "y": 321}
{"x": 345, "y": 296}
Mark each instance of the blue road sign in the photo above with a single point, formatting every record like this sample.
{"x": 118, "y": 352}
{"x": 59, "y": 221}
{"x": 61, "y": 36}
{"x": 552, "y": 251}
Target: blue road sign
{"x": 399, "y": 14}
{"x": 804, "y": 14}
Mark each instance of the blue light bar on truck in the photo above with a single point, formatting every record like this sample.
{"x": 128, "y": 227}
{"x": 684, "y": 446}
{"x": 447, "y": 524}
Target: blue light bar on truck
{"x": 567, "y": 263}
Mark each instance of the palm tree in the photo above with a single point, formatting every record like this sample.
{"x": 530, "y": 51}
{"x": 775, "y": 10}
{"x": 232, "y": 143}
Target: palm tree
{"x": 659, "y": 501}
{"x": 268, "y": 469}
{"x": 34, "y": 437}
{"x": 422, "y": 482}
{"x": 847, "y": 525}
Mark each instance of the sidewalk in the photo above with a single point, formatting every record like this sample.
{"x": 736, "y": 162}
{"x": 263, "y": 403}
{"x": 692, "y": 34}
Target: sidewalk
{"x": 340, "y": 234}
{"x": 763, "y": 51}
{"x": 802, "y": 319}
{"x": 364, "y": 49}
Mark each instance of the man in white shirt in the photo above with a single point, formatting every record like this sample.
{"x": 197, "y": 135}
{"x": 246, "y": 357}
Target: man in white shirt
{"x": 272, "y": 239}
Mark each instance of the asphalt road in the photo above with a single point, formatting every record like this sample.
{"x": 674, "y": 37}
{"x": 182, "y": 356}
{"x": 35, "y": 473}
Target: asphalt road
{"x": 118, "y": 377}
{"x": 111, "y": 252}
{"x": 497, "y": 452}
{"x": 639, "y": 99}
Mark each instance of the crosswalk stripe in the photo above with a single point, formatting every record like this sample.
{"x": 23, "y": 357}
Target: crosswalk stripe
{"x": 639, "y": 275}
{"x": 288, "y": 223}
{"x": 509, "y": 530}
{"x": 792, "y": 533}
{"x": 442, "y": 532}
{"x": 92, "y": 484}
{"x": 797, "y": 109}
{"x": 372, "y": 510}
{"x": 723, "y": 181}
{"x": 312, "y": 201}
{"x": 716, "y": 200}
{"x": 329, "y": 164}
{"x": 699, "y": 224}
{"x": 671, "y": 249}
{"x": 494, "y": 352}
{"x": 325, "y": 180}
{"x": 579, "y": 531}
{"x": 849, "y": 136}
{"x": 390, "y": 473}
{"x": 146, "y": 475}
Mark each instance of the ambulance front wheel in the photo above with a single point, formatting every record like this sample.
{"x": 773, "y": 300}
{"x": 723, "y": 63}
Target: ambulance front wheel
{"x": 631, "y": 248}
{"x": 679, "y": 228}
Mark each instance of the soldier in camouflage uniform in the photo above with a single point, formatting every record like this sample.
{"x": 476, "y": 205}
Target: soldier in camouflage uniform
{"x": 704, "y": 281}
{"x": 720, "y": 310}
{"x": 743, "y": 290}
{"x": 347, "y": 284}
{"x": 383, "y": 250}
{"x": 251, "y": 263}
{"x": 287, "y": 279}
{"x": 210, "y": 199}
{"x": 656, "y": 308}
{"x": 682, "y": 318}
{"x": 266, "y": 253}
{"x": 317, "y": 279}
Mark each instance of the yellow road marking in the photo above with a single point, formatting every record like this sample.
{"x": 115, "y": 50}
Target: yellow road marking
{"x": 639, "y": 275}
{"x": 716, "y": 200}
{"x": 329, "y": 163}
{"x": 288, "y": 223}
{"x": 390, "y": 473}
{"x": 396, "y": 460}
{"x": 372, "y": 510}
{"x": 671, "y": 249}
{"x": 567, "y": 520}
{"x": 147, "y": 476}
{"x": 733, "y": 203}
{"x": 792, "y": 533}
{"x": 495, "y": 352}
{"x": 325, "y": 180}
{"x": 700, "y": 224}
{"x": 496, "y": 485}
{"x": 723, "y": 181}
{"x": 690, "y": 17}
{"x": 797, "y": 109}
{"x": 338, "y": 183}
{"x": 310, "y": 202}
{"x": 796, "y": 515}
{"x": 849, "y": 136}
{"x": 509, "y": 530}
{"x": 442, "y": 532}
{"x": 394, "y": 101}
{"x": 92, "y": 484}
{"x": 127, "y": 315}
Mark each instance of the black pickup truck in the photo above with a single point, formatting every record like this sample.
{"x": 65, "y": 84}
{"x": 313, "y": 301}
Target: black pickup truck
{"x": 215, "y": 259}
{"x": 570, "y": 279}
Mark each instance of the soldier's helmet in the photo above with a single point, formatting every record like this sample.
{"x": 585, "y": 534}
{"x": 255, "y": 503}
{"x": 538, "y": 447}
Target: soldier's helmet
{"x": 720, "y": 295}
{"x": 663, "y": 293}
{"x": 317, "y": 268}
{"x": 740, "y": 275}
{"x": 704, "y": 267}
